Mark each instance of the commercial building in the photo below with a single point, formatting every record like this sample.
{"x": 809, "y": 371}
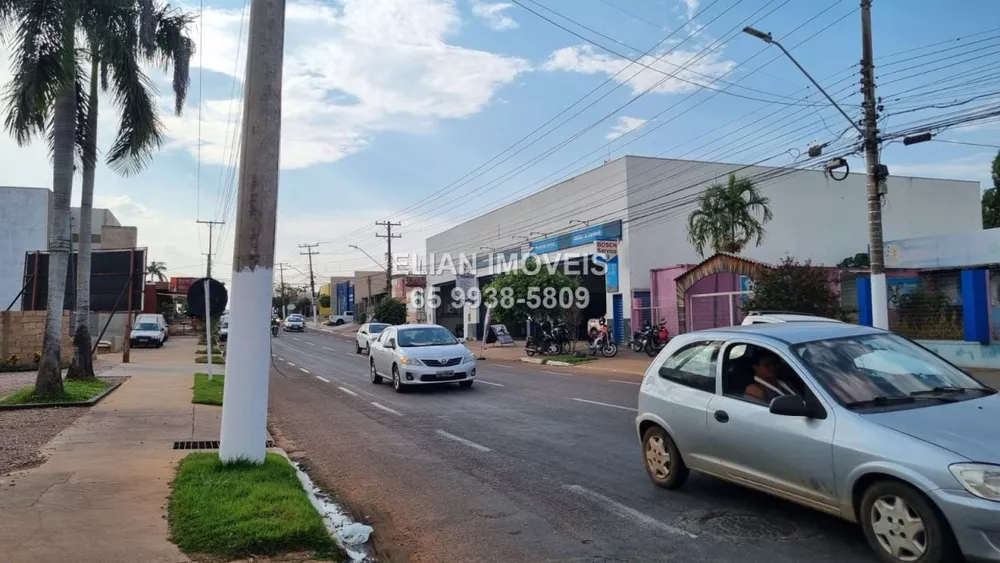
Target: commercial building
{"x": 24, "y": 227}
{"x": 637, "y": 208}
{"x": 106, "y": 232}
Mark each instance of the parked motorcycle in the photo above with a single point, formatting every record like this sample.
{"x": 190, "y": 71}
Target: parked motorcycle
{"x": 657, "y": 339}
{"x": 560, "y": 334}
{"x": 639, "y": 338}
{"x": 600, "y": 340}
{"x": 542, "y": 344}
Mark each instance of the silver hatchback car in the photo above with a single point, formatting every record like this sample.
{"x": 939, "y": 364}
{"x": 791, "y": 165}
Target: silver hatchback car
{"x": 849, "y": 420}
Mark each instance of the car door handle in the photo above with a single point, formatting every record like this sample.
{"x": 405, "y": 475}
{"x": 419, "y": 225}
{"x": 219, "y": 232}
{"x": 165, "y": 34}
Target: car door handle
{"x": 722, "y": 416}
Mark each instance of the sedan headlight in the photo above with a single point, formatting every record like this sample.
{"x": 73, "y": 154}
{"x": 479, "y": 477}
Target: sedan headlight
{"x": 410, "y": 361}
{"x": 980, "y": 479}
{"x": 469, "y": 358}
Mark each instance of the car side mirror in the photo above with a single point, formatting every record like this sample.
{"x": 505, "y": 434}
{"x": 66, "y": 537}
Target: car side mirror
{"x": 791, "y": 405}
{"x": 391, "y": 343}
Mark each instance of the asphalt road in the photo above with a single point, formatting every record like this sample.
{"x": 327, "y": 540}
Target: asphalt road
{"x": 528, "y": 465}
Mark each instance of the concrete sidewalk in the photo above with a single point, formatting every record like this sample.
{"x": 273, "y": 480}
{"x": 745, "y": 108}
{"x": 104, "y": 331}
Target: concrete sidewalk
{"x": 101, "y": 495}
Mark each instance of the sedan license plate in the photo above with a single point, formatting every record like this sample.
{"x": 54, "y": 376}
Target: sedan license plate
{"x": 446, "y": 373}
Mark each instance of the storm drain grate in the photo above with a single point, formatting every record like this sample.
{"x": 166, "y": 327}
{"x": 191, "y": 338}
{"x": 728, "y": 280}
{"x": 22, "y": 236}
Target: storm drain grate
{"x": 205, "y": 444}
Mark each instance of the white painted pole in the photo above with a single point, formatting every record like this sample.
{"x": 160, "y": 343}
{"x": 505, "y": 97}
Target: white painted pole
{"x": 880, "y": 302}
{"x": 244, "y": 410}
{"x": 208, "y": 330}
{"x": 465, "y": 321}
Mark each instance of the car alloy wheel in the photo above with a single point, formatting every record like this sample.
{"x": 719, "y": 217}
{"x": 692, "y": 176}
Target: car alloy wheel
{"x": 397, "y": 384}
{"x": 657, "y": 457}
{"x": 376, "y": 378}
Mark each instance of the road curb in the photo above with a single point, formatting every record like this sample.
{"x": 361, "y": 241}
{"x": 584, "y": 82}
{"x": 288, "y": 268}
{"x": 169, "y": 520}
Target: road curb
{"x": 536, "y": 361}
{"x": 558, "y": 363}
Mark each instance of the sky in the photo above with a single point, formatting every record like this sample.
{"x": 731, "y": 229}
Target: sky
{"x": 401, "y": 110}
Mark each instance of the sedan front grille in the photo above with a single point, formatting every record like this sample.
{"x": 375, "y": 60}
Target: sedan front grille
{"x": 442, "y": 363}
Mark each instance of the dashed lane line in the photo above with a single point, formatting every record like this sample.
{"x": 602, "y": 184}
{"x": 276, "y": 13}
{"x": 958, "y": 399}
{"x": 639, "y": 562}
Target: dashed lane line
{"x": 605, "y": 404}
{"x": 348, "y": 391}
{"x": 386, "y": 409}
{"x": 627, "y": 512}
{"x": 463, "y": 441}
{"x": 323, "y": 379}
{"x": 489, "y": 383}
{"x": 304, "y": 370}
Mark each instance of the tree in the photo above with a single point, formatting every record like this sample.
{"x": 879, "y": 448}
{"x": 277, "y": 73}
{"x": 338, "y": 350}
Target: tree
{"x": 859, "y": 260}
{"x": 991, "y": 198}
{"x": 157, "y": 271}
{"x": 283, "y": 295}
{"x": 129, "y": 35}
{"x": 729, "y": 217}
{"x": 324, "y": 301}
{"x": 791, "y": 286}
{"x": 304, "y": 306}
{"x": 515, "y": 292}
{"x": 389, "y": 310}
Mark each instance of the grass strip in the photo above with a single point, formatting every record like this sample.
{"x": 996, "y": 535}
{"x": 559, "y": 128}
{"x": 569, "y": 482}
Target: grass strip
{"x": 216, "y": 360}
{"x": 240, "y": 510}
{"x": 208, "y": 392}
{"x": 73, "y": 392}
{"x": 570, "y": 359}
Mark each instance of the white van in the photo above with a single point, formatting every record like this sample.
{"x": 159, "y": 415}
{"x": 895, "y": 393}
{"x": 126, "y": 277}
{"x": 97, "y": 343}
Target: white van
{"x": 154, "y": 318}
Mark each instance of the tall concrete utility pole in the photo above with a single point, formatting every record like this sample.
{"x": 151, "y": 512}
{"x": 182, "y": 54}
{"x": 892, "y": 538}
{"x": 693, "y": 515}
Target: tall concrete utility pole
{"x": 388, "y": 236}
{"x": 281, "y": 289}
{"x": 244, "y": 411}
{"x": 312, "y": 278}
{"x": 876, "y": 173}
{"x": 209, "y": 344}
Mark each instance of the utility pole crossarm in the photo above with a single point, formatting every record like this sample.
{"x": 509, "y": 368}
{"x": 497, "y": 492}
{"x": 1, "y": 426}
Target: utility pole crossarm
{"x": 312, "y": 278}
{"x": 388, "y": 236}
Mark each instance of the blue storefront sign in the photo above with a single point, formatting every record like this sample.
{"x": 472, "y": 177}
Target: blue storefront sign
{"x": 611, "y": 277}
{"x": 611, "y": 230}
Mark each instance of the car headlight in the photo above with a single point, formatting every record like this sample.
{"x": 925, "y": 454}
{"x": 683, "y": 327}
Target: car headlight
{"x": 980, "y": 479}
{"x": 469, "y": 358}
{"x": 410, "y": 361}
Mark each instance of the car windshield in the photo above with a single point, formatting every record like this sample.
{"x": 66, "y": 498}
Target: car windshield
{"x": 294, "y": 318}
{"x": 376, "y": 329}
{"x": 147, "y": 326}
{"x": 884, "y": 368}
{"x": 428, "y": 336}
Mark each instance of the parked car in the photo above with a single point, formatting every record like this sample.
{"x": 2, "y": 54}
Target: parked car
{"x": 295, "y": 323}
{"x": 420, "y": 354}
{"x": 337, "y": 320}
{"x": 367, "y": 333}
{"x": 760, "y": 317}
{"x": 157, "y": 318}
{"x": 147, "y": 333}
{"x": 224, "y": 329}
{"x": 849, "y": 420}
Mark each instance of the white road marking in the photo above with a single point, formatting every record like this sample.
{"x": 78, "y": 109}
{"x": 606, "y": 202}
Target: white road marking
{"x": 291, "y": 364}
{"x": 310, "y": 343}
{"x": 348, "y": 391}
{"x": 280, "y": 359}
{"x": 489, "y": 383}
{"x": 461, "y": 440}
{"x": 386, "y": 409}
{"x": 330, "y": 349}
{"x": 605, "y": 404}
{"x": 627, "y": 512}
{"x": 500, "y": 366}
{"x": 553, "y": 372}
{"x": 304, "y": 370}
{"x": 323, "y": 379}
{"x": 295, "y": 338}
{"x": 626, "y": 382}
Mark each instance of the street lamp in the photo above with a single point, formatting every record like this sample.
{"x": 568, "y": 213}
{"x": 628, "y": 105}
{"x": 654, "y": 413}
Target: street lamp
{"x": 585, "y": 223}
{"x": 526, "y": 239}
{"x": 538, "y": 233}
{"x": 877, "y": 172}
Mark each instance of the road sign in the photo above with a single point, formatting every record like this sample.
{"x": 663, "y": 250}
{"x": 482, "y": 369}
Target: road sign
{"x": 218, "y": 298}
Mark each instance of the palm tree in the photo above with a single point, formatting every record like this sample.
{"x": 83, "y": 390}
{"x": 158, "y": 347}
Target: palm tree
{"x": 48, "y": 97}
{"x": 156, "y": 270}
{"x": 114, "y": 61}
{"x": 726, "y": 220}
{"x": 729, "y": 217}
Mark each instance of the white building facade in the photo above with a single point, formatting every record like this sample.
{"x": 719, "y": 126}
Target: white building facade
{"x": 643, "y": 204}
{"x": 24, "y": 227}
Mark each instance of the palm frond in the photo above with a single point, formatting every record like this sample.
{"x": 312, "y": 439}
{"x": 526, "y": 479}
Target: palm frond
{"x": 147, "y": 27}
{"x": 175, "y": 49}
{"x": 39, "y": 66}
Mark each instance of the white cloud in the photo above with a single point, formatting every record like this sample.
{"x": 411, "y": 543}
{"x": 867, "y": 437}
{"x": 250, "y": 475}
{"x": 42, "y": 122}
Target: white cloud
{"x": 493, "y": 14}
{"x": 625, "y": 125}
{"x": 584, "y": 59}
{"x": 350, "y": 71}
{"x": 691, "y": 7}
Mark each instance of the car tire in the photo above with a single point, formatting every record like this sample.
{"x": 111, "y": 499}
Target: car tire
{"x": 376, "y": 378}
{"x": 397, "y": 381}
{"x": 339, "y": 322}
{"x": 662, "y": 459}
{"x": 357, "y": 349}
{"x": 882, "y": 506}
{"x": 159, "y": 344}
{"x": 466, "y": 384}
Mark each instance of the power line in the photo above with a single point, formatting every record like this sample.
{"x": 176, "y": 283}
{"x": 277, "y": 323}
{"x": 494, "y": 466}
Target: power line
{"x": 966, "y": 143}
{"x": 388, "y": 236}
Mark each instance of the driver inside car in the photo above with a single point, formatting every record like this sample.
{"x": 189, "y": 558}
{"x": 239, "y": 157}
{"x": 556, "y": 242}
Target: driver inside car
{"x": 766, "y": 384}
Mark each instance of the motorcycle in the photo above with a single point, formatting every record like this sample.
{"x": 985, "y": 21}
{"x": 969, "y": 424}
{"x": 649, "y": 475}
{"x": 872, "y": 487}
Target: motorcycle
{"x": 274, "y": 329}
{"x": 601, "y": 341}
{"x": 560, "y": 334}
{"x": 543, "y": 344}
{"x": 639, "y": 338}
{"x": 657, "y": 340}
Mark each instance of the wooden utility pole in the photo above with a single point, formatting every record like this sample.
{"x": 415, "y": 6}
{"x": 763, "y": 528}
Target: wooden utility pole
{"x": 281, "y": 288}
{"x": 312, "y": 278}
{"x": 876, "y": 174}
{"x": 244, "y": 411}
{"x": 388, "y": 236}
{"x": 211, "y": 227}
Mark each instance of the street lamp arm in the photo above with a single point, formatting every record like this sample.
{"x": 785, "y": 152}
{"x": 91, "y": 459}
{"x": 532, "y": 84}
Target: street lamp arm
{"x": 766, "y": 37}
{"x": 377, "y": 263}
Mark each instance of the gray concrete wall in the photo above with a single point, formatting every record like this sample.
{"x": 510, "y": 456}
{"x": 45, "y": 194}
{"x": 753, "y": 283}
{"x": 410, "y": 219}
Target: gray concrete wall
{"x": 24, "y": 227}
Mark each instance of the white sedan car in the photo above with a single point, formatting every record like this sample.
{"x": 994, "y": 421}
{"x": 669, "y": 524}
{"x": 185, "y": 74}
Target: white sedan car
{"x": 420, "y": 355}
{"x": 366, "y": 334}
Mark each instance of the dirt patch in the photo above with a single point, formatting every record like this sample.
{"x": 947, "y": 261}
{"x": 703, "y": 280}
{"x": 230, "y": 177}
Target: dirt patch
{"x": 26, "y": 431}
